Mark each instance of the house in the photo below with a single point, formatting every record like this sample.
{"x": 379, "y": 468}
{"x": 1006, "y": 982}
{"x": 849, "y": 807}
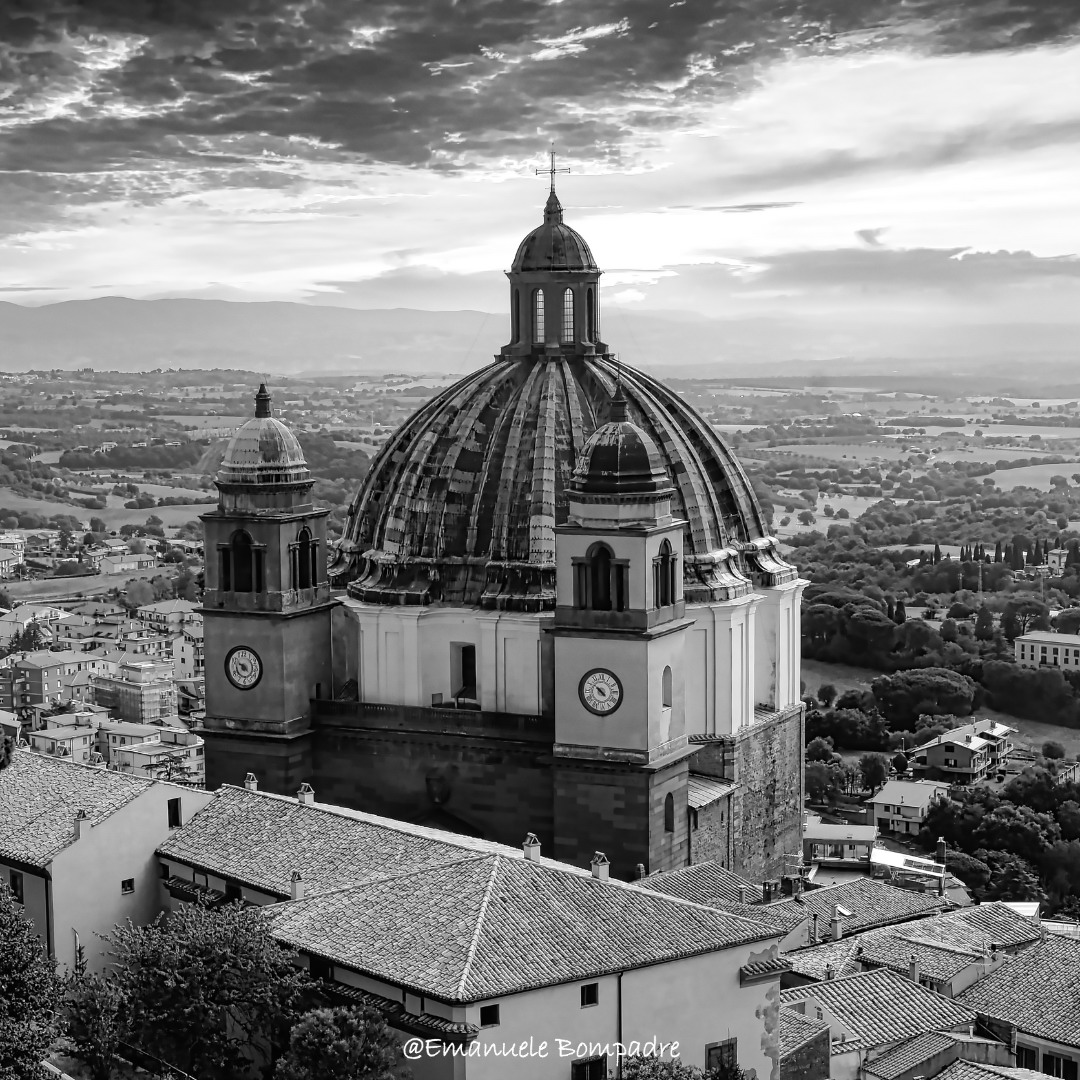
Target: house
{"x": 1034, "y": 1002}
{"x": 116, "y": 564}
{"x": 838, "y": 844}
{"x": 41, "y": 677}
{"x": 1046, "y": 648}
{"x": 901, "y": 806}
{"x": 964, "y": 1057}
{"x": 189, "y": 661}
{"x": 77, "y": 847}
{"x": 169, "y": 753}
{"x": 168, "y": 616}
{"x": 805, "y": 1047}
{"x": 946, "y": 953}
{"x": 466, "y": 941}
{"x": 140, "y": 692}
{"x": 873, "y": 1012}
{"x": 1056, "y": 558}
{"x": 75, "y": 742}
{"x": 964, "y": 755}
{"x": 977, "y": 1070}
{"x": 8, "y": 562}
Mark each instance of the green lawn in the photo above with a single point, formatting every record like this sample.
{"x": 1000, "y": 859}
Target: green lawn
{"x": 1029, "y": 733}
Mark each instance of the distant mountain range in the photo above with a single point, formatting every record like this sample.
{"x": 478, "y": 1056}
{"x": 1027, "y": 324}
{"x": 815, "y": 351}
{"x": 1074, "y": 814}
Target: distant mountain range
{"x": 279, "y": 338}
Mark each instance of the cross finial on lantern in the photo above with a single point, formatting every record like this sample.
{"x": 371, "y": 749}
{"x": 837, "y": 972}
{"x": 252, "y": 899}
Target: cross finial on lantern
{"x": 551, "y": 170}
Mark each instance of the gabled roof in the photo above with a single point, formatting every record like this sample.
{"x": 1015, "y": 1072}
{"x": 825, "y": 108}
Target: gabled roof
{"x": 40, "y": 797}
{"x": 976, "y": 1070}
{"x": 169, "y": 607}
{"x": 796, "y": 1030}
{"x": 880, "y": 1007}
{"x": 909, "y": 1054}
{"x": 704, "y": 883}
{"x": 1038, "y": 991}
{"x": 918, "y": 793}
{"x": 870, "y": 902}
{"x": 487, "y": 924}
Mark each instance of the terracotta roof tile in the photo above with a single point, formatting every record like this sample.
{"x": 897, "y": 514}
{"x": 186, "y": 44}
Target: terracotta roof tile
{"x": 40, "y": 796}
{"x": 1037, "y": 991}
{"x": 975, "y": 1070}
{"x": 905, "y": 1057}
{"x": 871, "y": 903}
{"x": 704, "y": 883}
{"x": 880, "y": 1007}
{"x": 797, "y": 1030}
{"x": 489, "y": 924}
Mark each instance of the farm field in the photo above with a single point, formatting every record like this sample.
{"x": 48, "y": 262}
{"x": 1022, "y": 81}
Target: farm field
{"x": 1029, "y": 733}
{"x": 987, "y": 453}
{"x": 863, "y": 453}
{"x": 11, "y": 501}
{"x": 855, "y": 505}
{"x": 1036, "y": 476}
{"x": 94, "y": 585}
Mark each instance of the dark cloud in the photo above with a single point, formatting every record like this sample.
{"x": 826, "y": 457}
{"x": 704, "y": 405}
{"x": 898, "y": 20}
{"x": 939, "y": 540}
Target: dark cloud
{"x": 419, "y": 83}
{"x": 871, "y": 237}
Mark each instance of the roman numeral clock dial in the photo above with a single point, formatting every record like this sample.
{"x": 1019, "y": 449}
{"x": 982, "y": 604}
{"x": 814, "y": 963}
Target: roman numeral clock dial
{"x": 243, "y": 667}
{"x": 600, "y": 692}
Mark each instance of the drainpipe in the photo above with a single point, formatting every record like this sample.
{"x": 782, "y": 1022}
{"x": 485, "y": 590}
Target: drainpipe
{"x": 618, "y": 1036}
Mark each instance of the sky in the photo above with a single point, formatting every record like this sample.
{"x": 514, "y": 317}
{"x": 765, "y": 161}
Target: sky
{"x": 856, "y": 161}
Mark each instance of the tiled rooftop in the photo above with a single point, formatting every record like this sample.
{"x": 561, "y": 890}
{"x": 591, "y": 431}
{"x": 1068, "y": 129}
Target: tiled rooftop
{"x": 881, "y": 1007}
{"x": 797, "y": 1030}
{"x": 905, "y": 1057}
{"x": 487, "y": 924}
{"x": 974, "y": 1070}
{"x": 704, "y": 790}
{"x": 40, "y": 796}
{"x": 1037, "y": 991}
{"x": 909, "y": 793}
{"x": 871, "y": 903}
{"x": 704, "y": 883}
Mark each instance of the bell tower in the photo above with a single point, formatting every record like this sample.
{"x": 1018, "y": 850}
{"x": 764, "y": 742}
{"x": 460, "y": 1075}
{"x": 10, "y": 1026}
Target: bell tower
{"x": 266, "y": 609}
{"x": 621, "y": 749}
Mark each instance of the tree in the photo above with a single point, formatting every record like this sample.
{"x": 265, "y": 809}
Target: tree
{"x": 1051, "y": 749}
{"x": 826, "y": 694}
{"x": 822, "y": 783}
{"x": 937, "y": 553}
{"x": 984, "y": 624}
{"x": 974, "y": 873}
{"x": 819, "y": 750}
{"x": 874, "y": 769}
{"x": 1028, "y": 614}
{"x": 1011, "y": 877}
{"x": 98, "y": 526}
{"x": 238, "y": 986}
{"x": 905, "y": 696}
{"x": 1067, "y": 621}
{"x": 95, "y": 1019}
{"x": 341, "y": 1044}
{"x": 806, "y": 518}
{"x": 900, "y": 613}
{"x": 138, "y": 593}
{"x": 900, "y": 763}
{"x": 30, "y": 638}
{"x": 30, "y": 993}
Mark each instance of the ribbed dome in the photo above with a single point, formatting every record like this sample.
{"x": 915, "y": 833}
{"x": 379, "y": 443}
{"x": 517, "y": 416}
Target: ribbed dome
{"x": 263, "y": 451}
{"x": 553, "y": 245}
{"x": 620, "y": 459}
{"x": 461, "y": 503}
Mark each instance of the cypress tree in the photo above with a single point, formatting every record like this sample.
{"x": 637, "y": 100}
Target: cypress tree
{"x": 998, "y": 554}
{"x": 937, "y": 553}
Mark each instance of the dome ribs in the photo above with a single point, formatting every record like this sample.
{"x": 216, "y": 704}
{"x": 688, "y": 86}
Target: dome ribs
{"x": 550, "y": 446}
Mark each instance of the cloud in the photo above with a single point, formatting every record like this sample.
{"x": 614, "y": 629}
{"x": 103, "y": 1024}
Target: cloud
{"x": 871, "y": 237}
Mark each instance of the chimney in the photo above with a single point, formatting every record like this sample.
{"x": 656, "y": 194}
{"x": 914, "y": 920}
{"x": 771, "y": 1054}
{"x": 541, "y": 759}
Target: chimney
{"x": 940, "y": 850}
{"x": 913, "y": 969}
{"x": 744, "y": 895}
{"x": 813, "y": 928}
{"x": 601, "y": 866}
{"x": 250, "y": 782}
{"x": 639, "y": 871}
{"x": 297, "y": 888}
{"x": 837, "y": 923}
{"x": 82, "y": 823}
{"x": 830, "y": 973}
{"x": 531, "y": 847}
{"x": 766, "y": 892}
{"x": 305, "y": 795}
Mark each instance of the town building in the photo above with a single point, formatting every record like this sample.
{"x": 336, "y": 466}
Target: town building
{"x": 964, "y": 755}
{"x": 168, "y": 616}
{"x": 871, "y": 1013}
{"x": 126, "y": 563}
{"x": 845, "y": 846}
{"x": 1033, "y": 1003}
{"x": 1047, "y": 648}
{"x": 141, "y": 692}
{"x": 77, "y": 847}
{"x": 1056, "y": 559}
{"x": 563, "y": 605}
{"x": 947, "y": 1055}
{"x": 901, "y": 806}
{"x": 467, "y": 941}
{"x": 189, "y": 654}
{"x": 42, "y": 677}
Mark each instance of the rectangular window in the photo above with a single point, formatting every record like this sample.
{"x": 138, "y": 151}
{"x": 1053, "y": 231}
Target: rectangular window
{"x": 463, "y": 671}
{"x": 176, "y": 817}
{"x": 590, "y": 994}
{"x": 722, "y": 1055}
{"x": 127, "y": 886}
{"x": 589, "y": 1069}
{"x": 489, "y": 1016}
{"x": 1026, "y": 1057}
{"x": 1054, "y": 1065}
{"x": 15, "y": 880}
{"x": 319, "y": 968}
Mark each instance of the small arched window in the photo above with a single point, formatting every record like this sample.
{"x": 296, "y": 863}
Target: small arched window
{"x": 669, "y": 812}
{"x": 665, "y": 689}
{"x": 538, "y": 315}
{"x": 590, "y": 315}
{"x": 600, "y": 579}
{"x": 305, "y": 553}
{"x": 241, "y": 565}
{"x": 665, "y": 567}
{"x": 568, "y": 315}
{"x": 515, "y": 330}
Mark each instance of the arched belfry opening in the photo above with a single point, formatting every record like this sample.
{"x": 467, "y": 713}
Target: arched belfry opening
{"x": 241, "y": 564}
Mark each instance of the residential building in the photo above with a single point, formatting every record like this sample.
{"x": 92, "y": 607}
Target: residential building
{"x": 1056, "y": 559}
{"x": 946, "y": 1054}
{"x": 168, "y": 754}
{"x": 901, "y": 805}
{"x": 805, "y": 1047}
{"x": 46, "y": 616}
{"x": 1047, "y": 648}
{"x": 189, "y": 660}
{"x": 41, "y": 677}
{"x": 829, "y": 844}
{"x": 1033, "y": 1002}
{"x": 77, "y": 847}
{"x": 9, "y": 562}
{"x": 13, "y": 545}
{"x": 468, "y": 941}
{"x": 141, "y": 692}
{"x": 874, "y": 1012}
{"x": 75, "y": 742}
{"x": 966, "y": 754}
{"x": 116, "y": 564}
{"x": 168, "y": 616}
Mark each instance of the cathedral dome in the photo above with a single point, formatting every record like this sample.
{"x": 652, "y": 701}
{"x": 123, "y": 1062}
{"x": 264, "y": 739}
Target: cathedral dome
{"x": 620, "y": 459}
{"x": 263, "y": 451}
{"x": 461, "y": 503}
{"x": 553, "y": 245}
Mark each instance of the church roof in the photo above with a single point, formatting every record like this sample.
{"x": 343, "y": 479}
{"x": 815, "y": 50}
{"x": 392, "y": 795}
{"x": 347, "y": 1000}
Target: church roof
{"x": 553, "y": 245}
{"x": 263, "y": 450}
{"x": 462, "y": 501}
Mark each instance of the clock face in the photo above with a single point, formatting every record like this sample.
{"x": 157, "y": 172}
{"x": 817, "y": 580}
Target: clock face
{"x": 600, "y": 692}
{"x": 243, "y": 667}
